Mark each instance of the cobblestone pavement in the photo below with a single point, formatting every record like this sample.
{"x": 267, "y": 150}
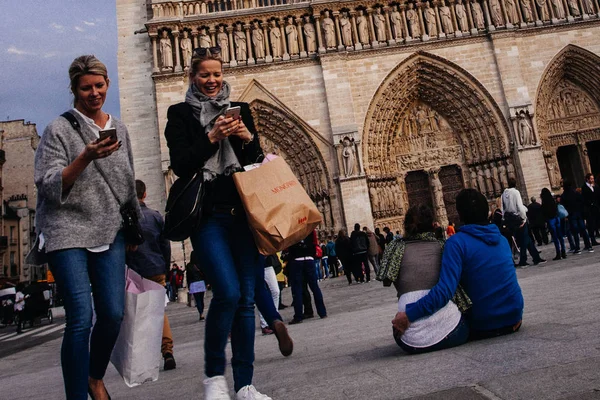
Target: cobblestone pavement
{"x": 352, "y": 355}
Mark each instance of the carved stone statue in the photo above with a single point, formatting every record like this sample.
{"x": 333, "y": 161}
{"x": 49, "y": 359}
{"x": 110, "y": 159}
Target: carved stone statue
{"x": 446, "y": 18}
{"x": 186, "y": 49}
{"x": 478, "y": 20}
{"x": 362, "y": 27}
{"x": 512, "y": 12}
{"x": 396, "y": 21}
{"x": 557, "y": 6}
{"x": 430, "y": 20}
{"x": 375, "y": 198}
{"x": 204, "y": 39}
{"x": 461, "y": 16}
{"x": 502, "y": 175}
{"x": 525, "y": 132}
{"x": 275, "y": 38}
{"x": 292, "y": 36}
{"x": 239, "y": 38}
{"x": 328, "y": 30}
{"x": 223, "y": 42}
{"x": 527, "y": 12}
{"x": 573, "y": 8}
{"x": 553, "y": 173}
{"x": 346, "y": 28}
{"x": 348, "y": 156}
{"x": 166, "y": 52}
{"x": 310, "y": 35}
{"x": 379, "y": 22}
{"x": 588, "y": 6}
{"x": 413, "y": 21}
{"x": 258, "y": 40}
{"x": 543, "y": 11}
{"x": 496, "y": 13}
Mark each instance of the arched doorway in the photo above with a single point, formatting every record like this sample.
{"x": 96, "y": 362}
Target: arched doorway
{"x": 568, "y": 115}
{"x": 285, "y": 136}
{"x": 430, "y": 118}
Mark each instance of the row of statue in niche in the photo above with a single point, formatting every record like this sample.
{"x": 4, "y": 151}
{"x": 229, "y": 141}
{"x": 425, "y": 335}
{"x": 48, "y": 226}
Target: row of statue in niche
{"x": 491, "y": 178}
{"x": 387, "y": 198}
{"x": 362, "y": 28}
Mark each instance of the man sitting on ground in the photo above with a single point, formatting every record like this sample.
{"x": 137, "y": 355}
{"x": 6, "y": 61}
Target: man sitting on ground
{"x": 479, "y": 258}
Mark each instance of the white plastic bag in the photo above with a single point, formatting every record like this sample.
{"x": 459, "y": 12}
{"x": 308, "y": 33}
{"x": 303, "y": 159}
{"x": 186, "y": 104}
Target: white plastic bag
{"x": 136, "y": 355}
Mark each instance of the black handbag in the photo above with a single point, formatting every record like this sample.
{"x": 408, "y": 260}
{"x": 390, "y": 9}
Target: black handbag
{"x": 184, "y": 207}
{"x": 131, "y": 223}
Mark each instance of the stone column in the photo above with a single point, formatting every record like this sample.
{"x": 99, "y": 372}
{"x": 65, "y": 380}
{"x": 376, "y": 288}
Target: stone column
{"x": 568, "y": 11}
{"x": 536, "y": 15}
{"x": 232, "y": 60}
{"x": 177, "y": 52}
{"x": 521, "y": 15}
{"x": 286, "y": 55}
{"x": 357, "y": 43}
{"x": 584, "y": 15}
{"x": 303, "y": 52}
{"x": 336, "y": 19}
{"x": 507, "y": 22}
{"x": 195, "y": 38}
{"x": 388, "y": 26}
{"x": 583, "y": 156}
{"x": 441, "y": 33}
{"x": 250, "y": 59}
{"x": 155, "y": 68}
{"x": 265, "y": 28}
{"x": 403, "y": 11}
{"x": 318, "y": 28}
{"x": 553, "y": 19}
{"x": 213, "y": 35}
{"x": 374, "y": 42}
{"x": 419, "y": 9}
{"x": 486, "y": 15}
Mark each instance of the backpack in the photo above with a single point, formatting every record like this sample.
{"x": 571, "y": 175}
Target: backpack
{"x": 319, "y": 251}
{"x": 562, "y": 211}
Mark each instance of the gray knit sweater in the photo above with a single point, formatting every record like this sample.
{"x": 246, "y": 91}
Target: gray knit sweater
{"x": 87, "y": 215}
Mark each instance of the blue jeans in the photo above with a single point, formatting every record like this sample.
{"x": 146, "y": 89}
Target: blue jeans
{"x": 458, "y": 336}
{"x": 325, "y": 261}
{"x": 264, "y": 299}
{"x": 229, "y": 259}
{"x": 318, "y": 269}
{"x": 525, "y": 243}
{"x": 80, "y": 273}
{"x": 578, "y": 227}
{"x": 298, "y": 271}
{"x": 556, "y": 232}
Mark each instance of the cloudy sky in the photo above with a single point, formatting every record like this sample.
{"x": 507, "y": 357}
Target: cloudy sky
{"x": 39, "y": 40}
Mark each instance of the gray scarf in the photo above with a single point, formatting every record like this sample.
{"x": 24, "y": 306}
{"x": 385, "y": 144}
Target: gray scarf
{"x": 206, "y": 110}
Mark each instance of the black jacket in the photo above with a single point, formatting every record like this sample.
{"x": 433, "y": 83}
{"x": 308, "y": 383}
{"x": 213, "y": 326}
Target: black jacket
{"x": 590, "y": 204}
{"x": 534, "y": 214}
{"x": 189, "y": 149}
{"x": 359, "y": 241}
{"x": 307, "y": 247}
{"x": 343, "y": 248}
{"x": 573, "y": 202}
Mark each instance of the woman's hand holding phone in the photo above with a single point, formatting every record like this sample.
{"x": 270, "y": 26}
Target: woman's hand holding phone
{"x": 101, "y": 148}
{"x": 224, "y": 127}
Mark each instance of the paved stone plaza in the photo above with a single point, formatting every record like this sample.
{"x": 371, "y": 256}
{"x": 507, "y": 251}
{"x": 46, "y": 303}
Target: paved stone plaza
{"x": 351, "y": 354}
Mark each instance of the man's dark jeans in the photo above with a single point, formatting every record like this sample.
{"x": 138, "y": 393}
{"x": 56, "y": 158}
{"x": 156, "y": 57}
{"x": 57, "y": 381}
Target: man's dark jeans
{"x": 525, "y": 243}
{"x": 299, "y": 270}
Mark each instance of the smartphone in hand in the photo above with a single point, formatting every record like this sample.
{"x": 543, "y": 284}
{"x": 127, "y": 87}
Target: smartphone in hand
{"x": 104, "y": 133}
{"x": 233, "y": 112}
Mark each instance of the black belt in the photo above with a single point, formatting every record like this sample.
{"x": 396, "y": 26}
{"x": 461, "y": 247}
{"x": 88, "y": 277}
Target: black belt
{"x": 224, "y": 209}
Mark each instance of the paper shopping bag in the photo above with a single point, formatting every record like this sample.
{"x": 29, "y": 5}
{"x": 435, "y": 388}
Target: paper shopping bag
{"x": 136, "y": 355}
{"x": 279, "y": 210}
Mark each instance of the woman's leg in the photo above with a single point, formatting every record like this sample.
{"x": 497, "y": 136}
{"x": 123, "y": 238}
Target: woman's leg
{"x": 553, "y": 232}
{"x": 265, "y": 299}
{"x": 70, "y": 269}
{"x": 107, "y": 275}
{"x": 212, "y": 241}
{"x": 199, "y": 298}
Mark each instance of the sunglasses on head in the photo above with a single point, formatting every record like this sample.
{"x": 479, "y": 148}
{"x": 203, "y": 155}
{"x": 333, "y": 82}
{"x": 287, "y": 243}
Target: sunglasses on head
{"x": 202, "y": 51}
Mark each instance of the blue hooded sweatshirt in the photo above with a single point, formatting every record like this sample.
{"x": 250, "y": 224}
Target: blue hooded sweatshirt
{"x": 479, "y": 258}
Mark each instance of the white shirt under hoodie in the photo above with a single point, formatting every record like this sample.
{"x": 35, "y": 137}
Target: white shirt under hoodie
{"x": 513, "y": 203}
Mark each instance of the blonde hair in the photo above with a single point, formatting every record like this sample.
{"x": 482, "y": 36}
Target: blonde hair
{"x": 198, "y": 59}
{"x": 84, "y": 65}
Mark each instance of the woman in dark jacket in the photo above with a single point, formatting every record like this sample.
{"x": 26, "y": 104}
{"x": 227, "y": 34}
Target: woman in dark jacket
{"x": 201, "y": 137}
{"x": 550, "y": 213}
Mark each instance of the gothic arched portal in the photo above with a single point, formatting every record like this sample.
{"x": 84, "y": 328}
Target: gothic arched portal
{"x": 568, "y": 115}
{"x": 426, "y": 115}
{"x": 282, "y": 135}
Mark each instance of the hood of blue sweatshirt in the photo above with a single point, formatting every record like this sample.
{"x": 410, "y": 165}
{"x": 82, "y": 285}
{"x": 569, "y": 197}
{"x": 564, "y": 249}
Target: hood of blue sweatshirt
{"x": 489, "y": 234}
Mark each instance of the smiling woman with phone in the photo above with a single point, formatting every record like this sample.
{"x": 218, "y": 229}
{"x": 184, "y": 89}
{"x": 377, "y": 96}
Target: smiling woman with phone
{"x": 202, "y": 137}
{"x": 83, "y": 177}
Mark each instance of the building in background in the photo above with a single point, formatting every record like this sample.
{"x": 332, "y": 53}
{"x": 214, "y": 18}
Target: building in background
{"x": 19, "y": 139}
{"x": 380, "y": 105}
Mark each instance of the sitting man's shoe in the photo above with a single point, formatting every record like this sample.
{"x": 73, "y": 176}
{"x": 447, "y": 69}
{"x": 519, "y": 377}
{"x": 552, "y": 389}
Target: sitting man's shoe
{"x": 215, "y": 388}
{"x": 295, "y": 321}
{"x": 286, "y": 345}
{"x": 266, "y": 331}
{"x": 169, "y": 361}
{"x": 249, "y": 392}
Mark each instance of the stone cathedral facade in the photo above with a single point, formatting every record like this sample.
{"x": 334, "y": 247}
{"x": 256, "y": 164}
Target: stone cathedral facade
{"x": 380, "y": 105}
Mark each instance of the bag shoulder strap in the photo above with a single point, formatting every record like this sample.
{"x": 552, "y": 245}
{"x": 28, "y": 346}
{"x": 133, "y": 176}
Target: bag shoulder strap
{"x": 77, "y": 126}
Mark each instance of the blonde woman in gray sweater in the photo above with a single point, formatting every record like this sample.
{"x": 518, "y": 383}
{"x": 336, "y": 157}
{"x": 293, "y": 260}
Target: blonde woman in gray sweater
{"x": 79, "y": 225}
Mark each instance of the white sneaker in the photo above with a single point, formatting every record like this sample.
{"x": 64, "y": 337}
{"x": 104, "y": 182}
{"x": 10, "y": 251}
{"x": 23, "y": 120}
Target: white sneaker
{"x": 215, "y": 388}
{"x": 250, "y": 393}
